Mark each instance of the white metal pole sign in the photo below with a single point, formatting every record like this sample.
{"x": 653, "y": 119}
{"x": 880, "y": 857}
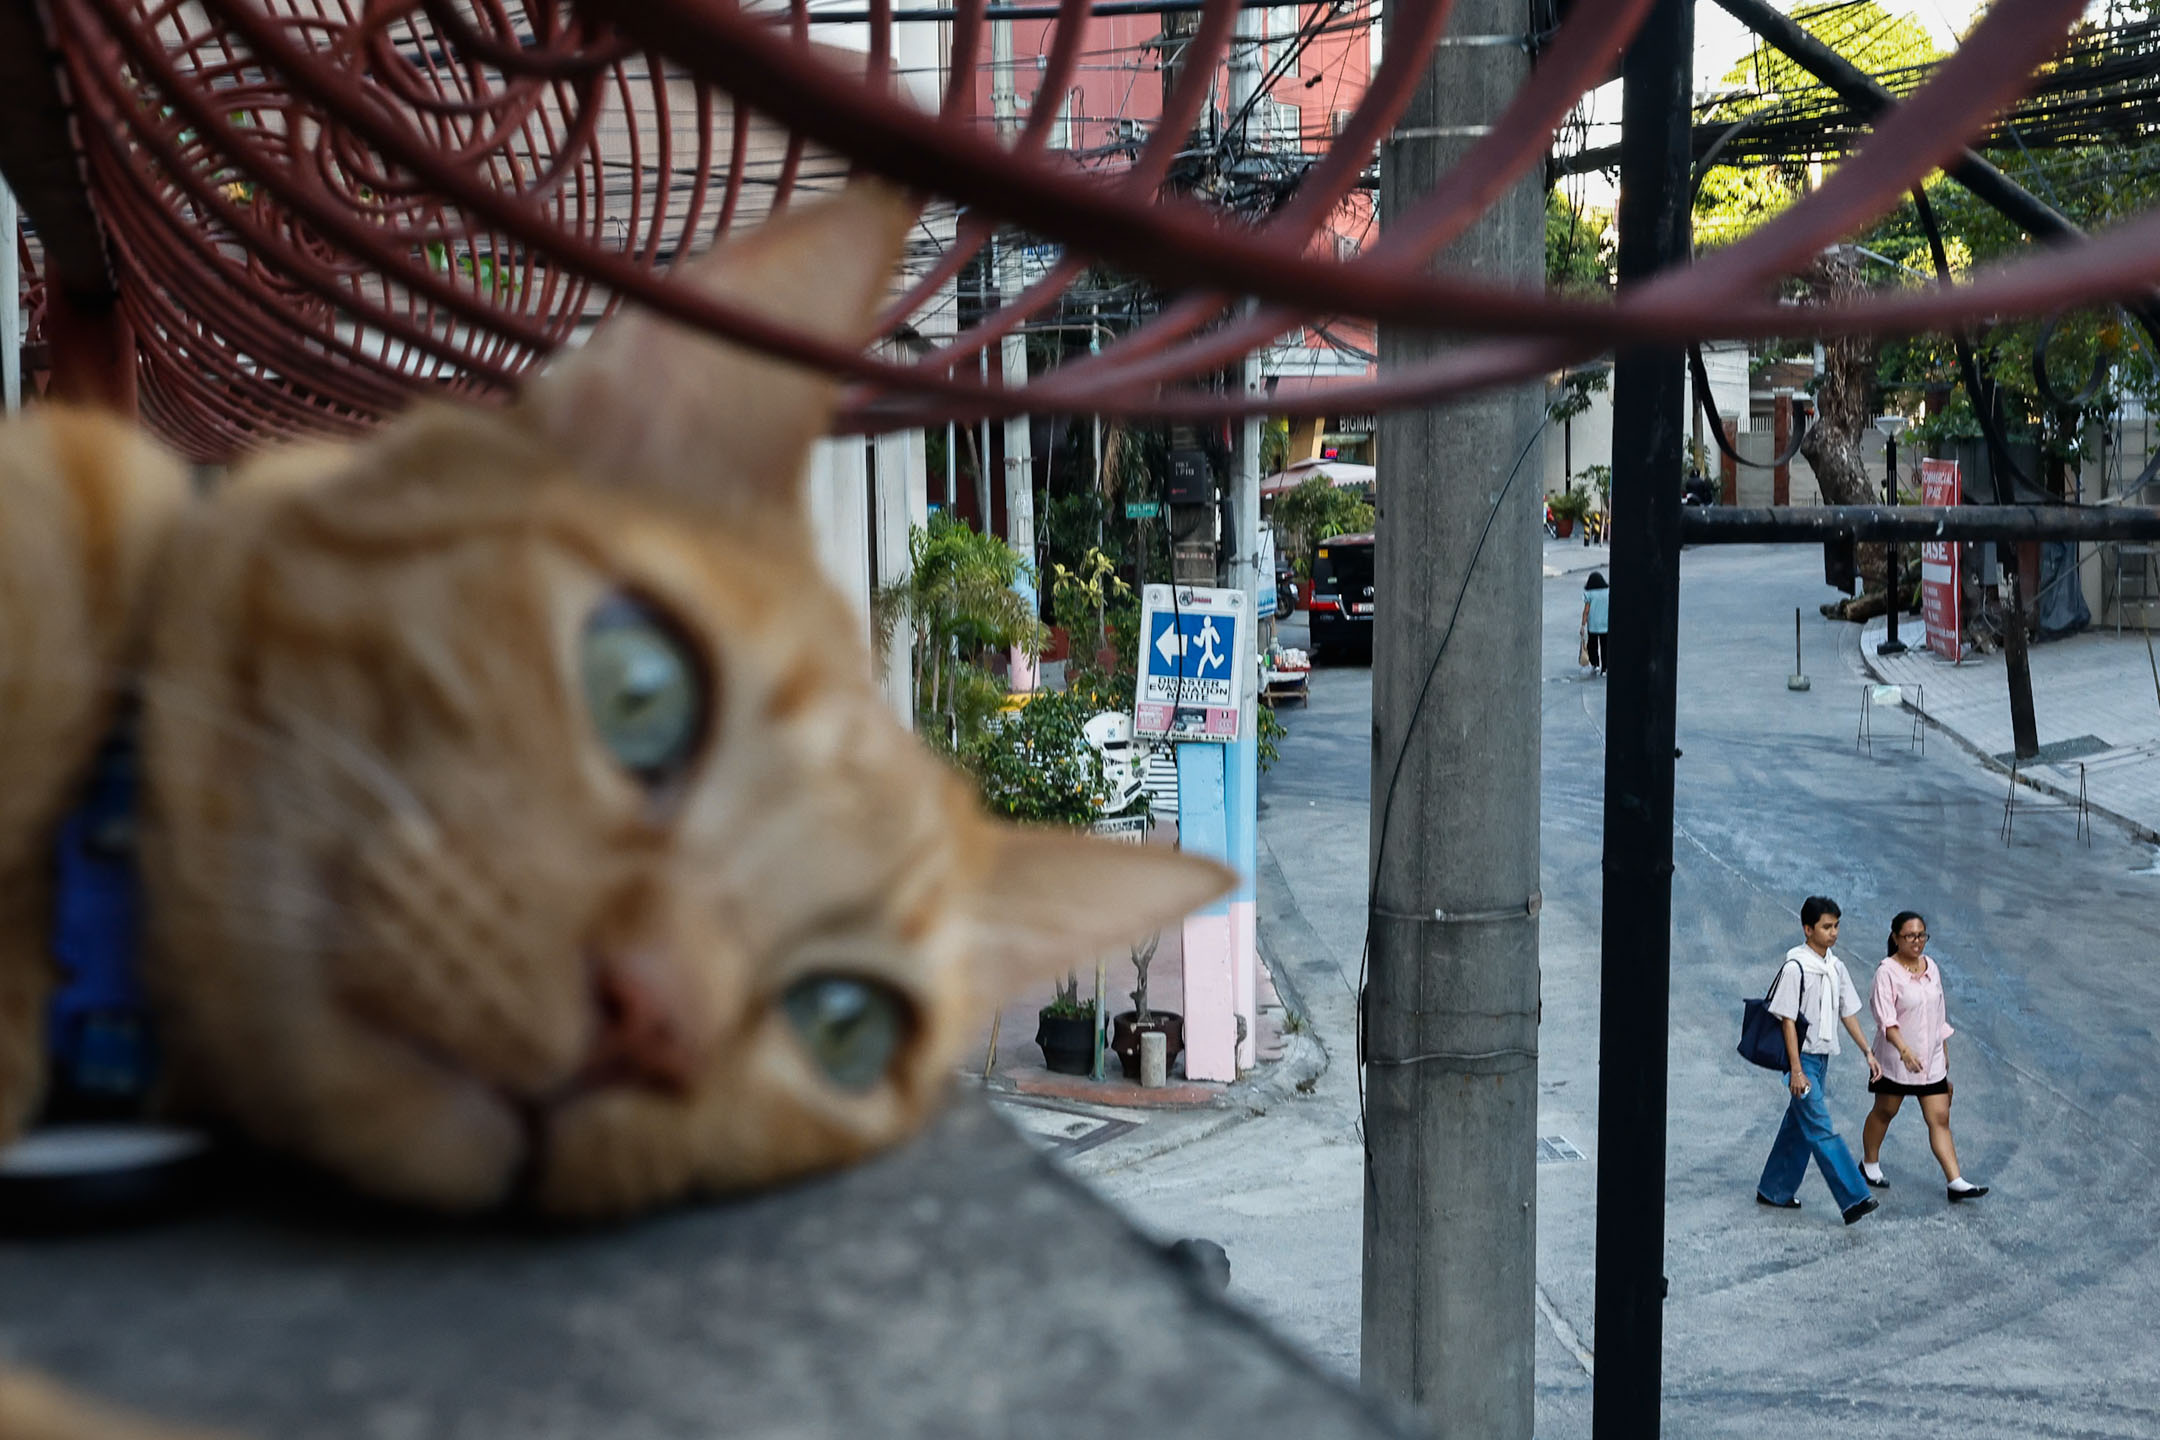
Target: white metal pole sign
{"x": 1191, "y": 684}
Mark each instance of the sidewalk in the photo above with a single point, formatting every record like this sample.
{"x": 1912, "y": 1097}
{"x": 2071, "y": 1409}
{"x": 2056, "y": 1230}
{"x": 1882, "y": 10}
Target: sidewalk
{"x": 1570, "y": 556}
{"x": 2094, "y": 698}
{"x": 1016, "y": 1067}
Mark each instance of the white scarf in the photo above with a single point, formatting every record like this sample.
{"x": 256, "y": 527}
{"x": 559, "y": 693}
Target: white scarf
{"x": 1823, "y": 992}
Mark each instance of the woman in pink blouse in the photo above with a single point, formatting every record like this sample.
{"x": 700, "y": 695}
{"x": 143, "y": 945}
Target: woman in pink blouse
{"x": 1910, "y": 1028}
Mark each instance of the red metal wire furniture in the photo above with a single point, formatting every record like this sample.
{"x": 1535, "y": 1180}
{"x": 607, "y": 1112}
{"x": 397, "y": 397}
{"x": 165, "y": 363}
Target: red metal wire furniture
{"x": 315, "y": 208}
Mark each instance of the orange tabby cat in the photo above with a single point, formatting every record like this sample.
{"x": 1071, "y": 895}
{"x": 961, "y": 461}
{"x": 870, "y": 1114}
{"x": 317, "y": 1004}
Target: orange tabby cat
{"x": 83, "y": 502}
{"x": 525, "y": 819}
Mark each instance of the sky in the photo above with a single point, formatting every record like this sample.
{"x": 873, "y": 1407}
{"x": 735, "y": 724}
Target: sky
{"x": 1720, "y": 41}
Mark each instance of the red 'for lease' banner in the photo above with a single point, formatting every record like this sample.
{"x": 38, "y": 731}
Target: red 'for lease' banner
{"x": 1939, "y": 485}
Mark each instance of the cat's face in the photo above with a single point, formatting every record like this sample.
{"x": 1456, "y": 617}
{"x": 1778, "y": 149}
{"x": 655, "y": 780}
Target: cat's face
{"x": 524, "y": 826}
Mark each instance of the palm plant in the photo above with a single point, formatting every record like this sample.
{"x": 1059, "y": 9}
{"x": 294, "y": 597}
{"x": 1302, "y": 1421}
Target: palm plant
{"x": 958, "y": 600}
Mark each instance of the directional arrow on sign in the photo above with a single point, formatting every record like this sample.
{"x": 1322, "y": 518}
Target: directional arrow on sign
{"x": 1170, "y": 644}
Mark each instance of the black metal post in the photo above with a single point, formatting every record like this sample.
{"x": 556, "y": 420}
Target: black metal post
{"x": 1815, "y": 524}
{"x": 1891, "y": 645}
{"x": 1649, "y": 413}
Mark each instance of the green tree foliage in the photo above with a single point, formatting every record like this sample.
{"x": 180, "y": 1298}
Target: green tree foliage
{"x": 957, "y": 601}
{"x": 1034, "y": 763}
{"x": 1314, "y": 511}
{"x": 1068, "y": 526}
{"x": 2094, "y": 186}
{"x": 1734, "y": 200}
{"x": 1274, "y": 445}
{"x": 1578, "y": 247}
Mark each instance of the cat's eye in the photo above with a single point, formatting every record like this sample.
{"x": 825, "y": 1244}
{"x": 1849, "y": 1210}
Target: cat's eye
{"x": 851, "y": 1027}
{"x": 644, "y": 688}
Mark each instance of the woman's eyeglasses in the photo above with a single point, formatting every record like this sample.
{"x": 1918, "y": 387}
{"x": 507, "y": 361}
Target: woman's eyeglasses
{"x": 1919, "y": 935}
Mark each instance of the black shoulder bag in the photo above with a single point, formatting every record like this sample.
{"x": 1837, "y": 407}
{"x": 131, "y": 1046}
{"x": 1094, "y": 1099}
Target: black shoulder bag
{"x": 1762, "y": 1034}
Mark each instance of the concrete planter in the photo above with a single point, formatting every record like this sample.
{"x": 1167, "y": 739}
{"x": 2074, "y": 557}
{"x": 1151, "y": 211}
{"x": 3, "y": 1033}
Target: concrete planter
{"x": 1125, "y": 1032}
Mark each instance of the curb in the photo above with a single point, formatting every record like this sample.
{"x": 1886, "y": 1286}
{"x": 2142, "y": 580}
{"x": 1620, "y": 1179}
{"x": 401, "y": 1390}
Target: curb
{"x": 2045, "y": 787}
{"x": 1591, "y": 562}
{"x": 1302, "y": 1062}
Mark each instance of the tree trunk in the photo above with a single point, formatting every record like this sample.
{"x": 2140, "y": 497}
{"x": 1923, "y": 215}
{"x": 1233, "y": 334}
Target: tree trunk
{"x": 1844, "y": 413}
{"x": 922, "y": 651}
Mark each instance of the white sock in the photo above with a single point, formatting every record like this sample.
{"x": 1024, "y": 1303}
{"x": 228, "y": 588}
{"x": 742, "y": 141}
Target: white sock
{"x": 1873, "y": 1172}
{"x": 1961, "y": 1185}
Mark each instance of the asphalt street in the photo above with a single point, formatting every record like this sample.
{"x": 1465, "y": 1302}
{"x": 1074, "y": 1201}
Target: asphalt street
{"x": 2030, "y": 1312}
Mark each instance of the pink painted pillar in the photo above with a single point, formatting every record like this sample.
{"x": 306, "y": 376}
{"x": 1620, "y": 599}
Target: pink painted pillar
{"x": 1211, "y": 951}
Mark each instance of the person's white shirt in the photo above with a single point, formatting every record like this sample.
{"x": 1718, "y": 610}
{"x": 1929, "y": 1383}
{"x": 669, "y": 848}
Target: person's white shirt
{"x": 1829, "y": 991}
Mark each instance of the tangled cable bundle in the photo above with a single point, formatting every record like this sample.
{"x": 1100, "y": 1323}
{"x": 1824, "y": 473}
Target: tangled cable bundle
{"x": 316, "y": 208}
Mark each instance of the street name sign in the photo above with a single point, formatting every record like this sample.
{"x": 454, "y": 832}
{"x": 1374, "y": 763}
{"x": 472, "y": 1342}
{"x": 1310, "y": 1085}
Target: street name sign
{"x": 1142, "y": 509}
{"x": 1191, "y": 684}
{"x": 1940, "y": 484}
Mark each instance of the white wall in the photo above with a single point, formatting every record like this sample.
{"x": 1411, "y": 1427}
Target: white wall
{"x": 1579, "y": 443}
{"x": 839, "y": 505}
{"x": 1757, "y": 486}
{"x": 1727, "y": 367}
{"x": 1573, "y": 446}
{"x": 900, "y": 464}
{"x": 847, "y": 510}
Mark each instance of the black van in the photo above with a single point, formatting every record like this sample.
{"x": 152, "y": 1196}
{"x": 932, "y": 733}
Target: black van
{"x": 1342, "y": 597}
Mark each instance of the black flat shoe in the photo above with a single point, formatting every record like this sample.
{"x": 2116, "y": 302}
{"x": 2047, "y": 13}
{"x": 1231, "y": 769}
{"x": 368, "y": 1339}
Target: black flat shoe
{"x": 1973, "y": 1194}
{"x": 1862, "y": 1210}
{"x": 1873, "y": 1183}
{"x": 1762, "y": 1199}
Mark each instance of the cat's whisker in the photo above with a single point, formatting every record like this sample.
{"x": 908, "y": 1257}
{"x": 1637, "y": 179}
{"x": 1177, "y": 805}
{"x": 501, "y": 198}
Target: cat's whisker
{"x": 368, "y": 773}
{"x": 366, "y": 768}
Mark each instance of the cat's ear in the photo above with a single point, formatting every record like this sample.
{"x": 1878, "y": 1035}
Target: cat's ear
{"x": 651, "y": 402}
{"x": 1052, "y": 900}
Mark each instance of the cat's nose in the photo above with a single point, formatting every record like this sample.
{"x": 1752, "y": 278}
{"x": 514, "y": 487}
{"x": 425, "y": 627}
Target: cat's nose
{"x": 653, "y": 1029}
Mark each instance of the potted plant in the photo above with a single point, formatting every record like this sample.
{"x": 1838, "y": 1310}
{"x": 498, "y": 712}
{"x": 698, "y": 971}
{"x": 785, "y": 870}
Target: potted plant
{"x": 1034, "y": 764}
{"x": 1128, "y": 1026}
{"x": 1568, "y": 508}
{"x": 1065, "y": 1029}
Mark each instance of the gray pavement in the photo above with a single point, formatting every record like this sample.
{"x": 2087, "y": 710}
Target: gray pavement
{"x": 2096, "y": 699}
{"x": 2028, "y": 1312}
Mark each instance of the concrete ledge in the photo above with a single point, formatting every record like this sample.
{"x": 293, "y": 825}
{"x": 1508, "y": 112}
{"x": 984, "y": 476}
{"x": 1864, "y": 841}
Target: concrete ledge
{"x": 959, "y": 1287}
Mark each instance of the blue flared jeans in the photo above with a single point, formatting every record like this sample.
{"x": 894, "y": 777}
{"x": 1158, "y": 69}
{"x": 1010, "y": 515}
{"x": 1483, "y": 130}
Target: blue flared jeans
{"x": 1807, "y": 1131}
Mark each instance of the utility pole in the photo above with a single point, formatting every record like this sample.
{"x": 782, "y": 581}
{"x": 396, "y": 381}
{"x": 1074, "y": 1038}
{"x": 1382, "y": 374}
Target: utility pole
{"x": 10, "y": 305}
{"x": 984, "y": 265}
{"x": 1012, "y": 354}
{"x": 1450, "y": 1012}
{"x": 1636, "y": 949}
{"x": 1243, "y": 789}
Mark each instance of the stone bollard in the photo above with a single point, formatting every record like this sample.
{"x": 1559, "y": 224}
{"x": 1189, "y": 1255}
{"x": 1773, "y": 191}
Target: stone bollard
{"x": 1154, "y": 1060}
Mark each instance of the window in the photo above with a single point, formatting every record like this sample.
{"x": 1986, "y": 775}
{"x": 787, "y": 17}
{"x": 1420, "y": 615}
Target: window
{"x": 1281, "y": 28}
{"x": 1284, "y": 122}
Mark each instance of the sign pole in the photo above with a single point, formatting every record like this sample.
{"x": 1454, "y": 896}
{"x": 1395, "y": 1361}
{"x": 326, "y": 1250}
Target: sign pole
{"x": 1189, "y": 692}
{"x": 1940, "y": 598}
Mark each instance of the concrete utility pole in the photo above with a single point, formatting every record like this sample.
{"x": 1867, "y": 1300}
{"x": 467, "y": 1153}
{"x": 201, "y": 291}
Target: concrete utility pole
{"x": 10, "y": 305}
{"x": 1012, "y": 354}
{"x": 1243, "y": 761}
{"x": 1451, "y": 1006}
{"x": 1636, "y": 947}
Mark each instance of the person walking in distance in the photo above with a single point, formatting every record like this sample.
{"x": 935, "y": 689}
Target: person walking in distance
{"x": 1911, "y": 1026}
{"x": 1596, "y": 619}
{"x": 1814, "y": 986}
